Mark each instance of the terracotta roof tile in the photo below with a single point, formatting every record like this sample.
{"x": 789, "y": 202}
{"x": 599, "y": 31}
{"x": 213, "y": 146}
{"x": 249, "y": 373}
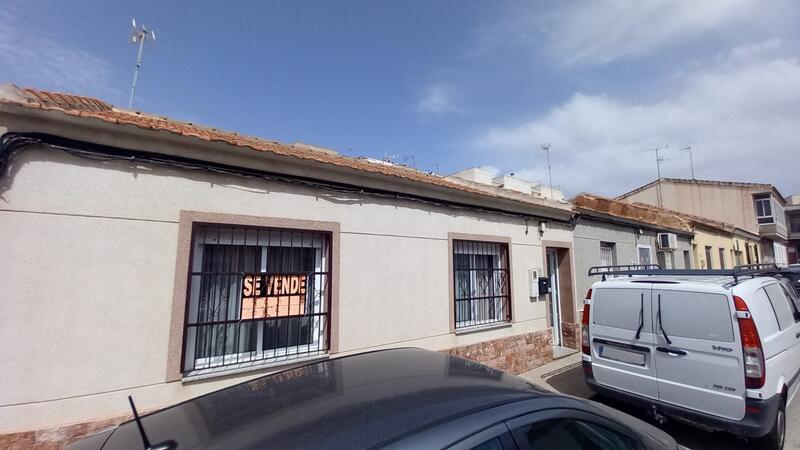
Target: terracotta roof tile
{"x": 636, "y": 212}
{"x": 98, "y": 109}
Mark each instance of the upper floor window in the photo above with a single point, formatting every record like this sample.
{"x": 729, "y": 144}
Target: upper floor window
{"x": 480, "y": 274}
{"x": 764, "y": 209}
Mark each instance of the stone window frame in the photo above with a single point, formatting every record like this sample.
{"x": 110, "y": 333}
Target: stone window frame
{"x": 506, "y": 240}
{"x": 180, "y": 295}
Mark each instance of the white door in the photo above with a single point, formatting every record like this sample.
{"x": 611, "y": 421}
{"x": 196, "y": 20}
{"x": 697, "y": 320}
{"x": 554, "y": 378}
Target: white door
{"x": 555, "y": 298}
{"x": 698, "y": 356}
{"x": 622, "y": 339}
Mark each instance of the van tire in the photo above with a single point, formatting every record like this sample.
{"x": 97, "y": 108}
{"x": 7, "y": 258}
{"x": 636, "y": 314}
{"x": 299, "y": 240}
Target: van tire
{"x": 775, "y": 438}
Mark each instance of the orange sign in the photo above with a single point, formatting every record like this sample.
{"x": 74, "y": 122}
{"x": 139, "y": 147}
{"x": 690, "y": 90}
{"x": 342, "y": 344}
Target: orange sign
{"x": 273, "y": 295}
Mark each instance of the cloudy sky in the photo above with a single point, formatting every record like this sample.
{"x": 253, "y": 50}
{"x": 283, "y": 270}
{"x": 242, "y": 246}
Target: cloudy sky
{"x": 451, "y": 84}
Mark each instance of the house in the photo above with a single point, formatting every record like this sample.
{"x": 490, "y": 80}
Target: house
{"x": 755, "y": 208}
{"x": 610, "y": 232}
{"x": 150, "y": 257}
{"x": 558, "y": 268}
{"x": 716, "y": 245}
{"x": 793, "y": 224}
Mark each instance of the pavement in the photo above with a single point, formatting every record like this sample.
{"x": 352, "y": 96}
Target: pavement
{"x": 566, "y": 376}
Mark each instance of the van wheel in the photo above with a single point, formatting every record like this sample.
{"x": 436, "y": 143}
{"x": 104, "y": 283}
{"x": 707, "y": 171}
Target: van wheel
{"x": 774, "y": 440}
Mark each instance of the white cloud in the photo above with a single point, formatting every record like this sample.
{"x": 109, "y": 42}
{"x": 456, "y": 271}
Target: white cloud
{"x": 742, "y": 121}
{"x": 54, "y": 64}
{"x": 752, "y": 51}
{"x": 602, "y": 31}
{"x": 437, "y": 99}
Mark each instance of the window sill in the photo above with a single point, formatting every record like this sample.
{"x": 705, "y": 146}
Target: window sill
{"x": 479, "y": 328}
{"x": 219, "y": 372}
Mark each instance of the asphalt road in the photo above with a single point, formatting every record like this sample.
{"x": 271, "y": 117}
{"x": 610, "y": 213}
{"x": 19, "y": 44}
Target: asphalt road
{"x": 571, "y": 382}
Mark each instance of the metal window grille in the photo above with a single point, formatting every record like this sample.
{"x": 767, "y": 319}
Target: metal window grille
{"x": 481, "y": 283}
{"x": 226, "y": 328}
{"x": 606, "y": 254}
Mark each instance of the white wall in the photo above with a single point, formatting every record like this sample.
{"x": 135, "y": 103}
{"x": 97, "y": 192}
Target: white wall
{"x": 89, "y": 255}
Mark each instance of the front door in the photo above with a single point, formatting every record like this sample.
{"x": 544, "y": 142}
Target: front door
{"x": 555, "y": 298}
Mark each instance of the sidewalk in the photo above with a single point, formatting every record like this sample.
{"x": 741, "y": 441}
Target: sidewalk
{"x": 563, "y": 375}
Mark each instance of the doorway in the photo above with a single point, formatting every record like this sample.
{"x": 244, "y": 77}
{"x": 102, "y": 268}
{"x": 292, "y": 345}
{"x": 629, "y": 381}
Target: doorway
{"x": 555, "y": 297}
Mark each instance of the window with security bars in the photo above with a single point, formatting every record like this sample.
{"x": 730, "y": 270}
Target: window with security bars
{"x": 480, "y": 275}
{"x": 256, "y": 295}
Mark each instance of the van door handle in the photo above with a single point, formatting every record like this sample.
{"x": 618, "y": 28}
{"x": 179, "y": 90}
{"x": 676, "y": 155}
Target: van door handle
{"x": 671, "y": 351}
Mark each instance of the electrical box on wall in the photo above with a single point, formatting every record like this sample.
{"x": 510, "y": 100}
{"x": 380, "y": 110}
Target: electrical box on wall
{"x": 533, "y": 283}
{"x": 544, "y": 285}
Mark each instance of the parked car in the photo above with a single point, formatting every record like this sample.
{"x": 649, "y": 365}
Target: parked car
{"x": 792, "y": 273}
{"x": 403, "y": 398}
{"x": 715, "y": 349}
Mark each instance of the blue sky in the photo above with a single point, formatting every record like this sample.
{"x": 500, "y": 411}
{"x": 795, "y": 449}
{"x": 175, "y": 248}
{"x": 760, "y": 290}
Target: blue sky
{"x": 452, "y": 83}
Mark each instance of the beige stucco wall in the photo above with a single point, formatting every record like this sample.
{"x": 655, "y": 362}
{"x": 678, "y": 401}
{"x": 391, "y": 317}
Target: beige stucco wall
{"x": 730, "y": 204}
{"x": 89, "y": 254}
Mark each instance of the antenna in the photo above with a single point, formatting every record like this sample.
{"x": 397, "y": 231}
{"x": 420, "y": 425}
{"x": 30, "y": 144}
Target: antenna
{"x": 546, "y": 148}
{"x": 659, "y": 160}
{"x": 691, "y": 162}
{"x": 166, "y": 445}
{"x": 138, "y": 36}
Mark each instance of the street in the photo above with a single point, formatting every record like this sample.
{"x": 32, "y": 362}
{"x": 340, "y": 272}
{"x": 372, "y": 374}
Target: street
{"x": 569, "y": 380}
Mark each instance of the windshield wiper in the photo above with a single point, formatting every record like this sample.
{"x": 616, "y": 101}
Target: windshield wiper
{"x": 641, "y": 318}
{"x": 661, "y": 325}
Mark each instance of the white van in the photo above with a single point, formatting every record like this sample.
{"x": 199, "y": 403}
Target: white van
{"x": 718, "y": 349}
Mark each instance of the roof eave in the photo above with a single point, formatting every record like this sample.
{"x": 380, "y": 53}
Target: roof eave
{"x": 97, "y": 131}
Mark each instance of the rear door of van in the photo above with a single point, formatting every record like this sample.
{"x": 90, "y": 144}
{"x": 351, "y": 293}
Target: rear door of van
{"x": 622, "y": 339}
{"x": 697, "y": 352}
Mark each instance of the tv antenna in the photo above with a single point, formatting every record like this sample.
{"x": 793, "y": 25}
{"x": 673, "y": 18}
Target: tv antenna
{"x": 659, "y": 160}
{"x": 546, "y": 148}
{"x": 691, "y": 162}
{"x": 139, "y": 36}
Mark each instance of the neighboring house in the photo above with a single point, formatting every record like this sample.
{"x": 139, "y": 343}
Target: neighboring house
{"x": 610, "y": 232}
{"x": 715, "y": 245}
{"x": 155, "y": 258}
{"x": 755, "y": 208}
{"x": 793, "y": 223}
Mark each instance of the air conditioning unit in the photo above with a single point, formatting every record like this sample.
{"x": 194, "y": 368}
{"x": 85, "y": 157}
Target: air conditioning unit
{"x": 667, "y": 241}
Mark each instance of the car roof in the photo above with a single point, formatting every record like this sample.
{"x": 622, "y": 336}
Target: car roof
{"x": 703, "y": 282}
{"x": 364, "y": 400}
{"x": 666, "y": 279}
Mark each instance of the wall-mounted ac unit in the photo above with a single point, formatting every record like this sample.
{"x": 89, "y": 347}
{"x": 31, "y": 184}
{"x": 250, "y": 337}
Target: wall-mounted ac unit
{"x": 667, "y": 241}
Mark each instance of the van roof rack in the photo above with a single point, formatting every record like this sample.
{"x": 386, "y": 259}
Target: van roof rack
{"x": 654, "y": 269}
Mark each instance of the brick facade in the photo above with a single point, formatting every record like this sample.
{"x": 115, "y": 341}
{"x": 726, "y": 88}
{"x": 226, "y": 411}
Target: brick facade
{"x": 570, "y": 334}
{"x": 513, "y": 354}
{"x": 58, "y": 437}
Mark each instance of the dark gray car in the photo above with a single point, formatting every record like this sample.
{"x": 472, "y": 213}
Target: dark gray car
{"x": 403, "y": 398}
